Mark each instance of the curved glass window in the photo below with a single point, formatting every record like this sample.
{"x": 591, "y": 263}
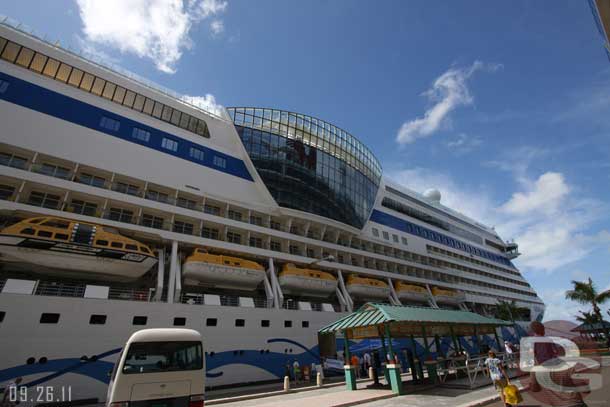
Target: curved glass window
{"x": 308, "y": 173}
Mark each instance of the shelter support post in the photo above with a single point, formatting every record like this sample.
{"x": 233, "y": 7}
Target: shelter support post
{"x": 393, "y": 368}
{"x": 439, "y": 350}
{"x": 384, "y": 358}
{"x": 350, "y": 372}
{"x": 454, "y": 339}
{"x": 416, "y": 369}
{"x": 430, "y": 364}
{"x": 476, "y": 343}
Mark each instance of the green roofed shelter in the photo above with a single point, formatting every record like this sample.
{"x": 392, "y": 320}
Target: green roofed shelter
{"x": 405, "y": 320}
{"x": 375, "y": 320}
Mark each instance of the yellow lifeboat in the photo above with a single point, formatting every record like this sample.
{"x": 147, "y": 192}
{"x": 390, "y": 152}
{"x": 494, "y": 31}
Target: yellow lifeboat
{"x": 410, "y": 292}
{"x": 67, "y": 247}
{"x": 447, "y": 296}
{"x": 367, "y": 288}
{"x": 222, "y": 271}
{"x": 297, "y": 280}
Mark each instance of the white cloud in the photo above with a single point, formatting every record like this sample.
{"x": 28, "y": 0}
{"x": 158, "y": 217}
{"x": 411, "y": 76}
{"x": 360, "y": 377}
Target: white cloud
{"x": 448, "y": 92}
{"x": 545, "y": 195}
{"x": 463, "y": 144}
{"x": 549, "y": 220}
{"x": 207, "y": 103}
{"x": 155, "y": 29}
{"x": 217, "y": 27}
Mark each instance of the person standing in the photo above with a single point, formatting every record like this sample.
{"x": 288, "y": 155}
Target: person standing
{"x": 354, "y": 363}
{"x": 497, "y": 374}
{"x": 296, "y": 370}
{"x": 367, "y": 361}
{"x": 509, "y": 353}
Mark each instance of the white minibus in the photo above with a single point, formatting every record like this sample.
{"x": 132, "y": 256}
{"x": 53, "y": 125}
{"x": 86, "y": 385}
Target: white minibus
{"x": 159, "y": 368}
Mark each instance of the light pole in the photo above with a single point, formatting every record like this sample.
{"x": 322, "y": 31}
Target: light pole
{"x": 327, "y": 258}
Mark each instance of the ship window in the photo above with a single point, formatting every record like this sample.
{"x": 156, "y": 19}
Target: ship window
{"x": 240, "y": 323}
{"x": 97, "y": 319}
{"x": 404, "y": 241}
{"x": 49, "y": 318}
{"x": 209, "y": 233}
{"x": 193, "y": 124}
{"x": 92, "y": 180}
{"x": 98, "y": 86}
{"x": 118, "y": 245}
{"x": 395, "y": 238}
{"x": 265, "y": 323}
{"x": 138, "y": 104}
{"x": 119, "y": 94}
{"x": 101, "y": 242}
{"x": 212, "y": 210}
{"x": 275, "y": 246}
{"x": 144, "y": 249}
{"x": 227, "y": 262}
{"x": 233, "y": 237}
{"x": 186, "y": 203}
{"x": 38, "y": 62}
{"x": 44, "y": 233}
{"x": 6, "y": 191}
{"x": 202, "y": 128}
{"x": 75, "y": 77}
{"x": 167, "y": 113}
{"x": 235, "y": 215}
{"x": 83, "y": 208}
{"x": 386, "y": 235}
{"x": 27, "y": 231}
{"x": 110, "y": 124}
{"x": 183, "y": 227}
{"x": 129, "y": 98}
{"x": 220, "y": 162}
{"x": 211, "y": 322}
{"x": 152, "y": 221}
{"x": 44, "y": 200}
{"x": 158, "y": 109}
{"x": 287, "y": 324}
{"x": 131, "y": 247}
{"x": 61, "y": 236}
{"x": 11, "y": 51}
{"x": 256, "y": 242}
{"x": 169, "y": 144}
{"x": 175, "y": 120}
{"x": 139, "y": 320}
{"x": 375, "y": 232}
{"x": 196, "y": 153}
{"x": 109, "y": 90}
{"x": 305, "y": 324}
{"x": 179, "y": 321}
{"x": 184, "y": 121}
{"x": 148, "y": 106}
{"x": 25, "y": 57}
{"x": 50, "y": 69}
{"x": 140, "y": 134}
{"x": 3, "y": 86}
{"x": 87, "y": 82}
{"x": 2, "y": 315}
{"x": 63, "y": 73}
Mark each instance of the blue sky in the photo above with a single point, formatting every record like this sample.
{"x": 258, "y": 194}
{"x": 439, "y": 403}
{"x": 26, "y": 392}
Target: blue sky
{"x": 503, "y": 106}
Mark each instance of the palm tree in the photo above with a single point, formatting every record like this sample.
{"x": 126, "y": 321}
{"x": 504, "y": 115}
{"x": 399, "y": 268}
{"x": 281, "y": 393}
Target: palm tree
{"x": 586, "y": 293}
{"x": 587, "y": 318}
{"x": 507, "y": 311}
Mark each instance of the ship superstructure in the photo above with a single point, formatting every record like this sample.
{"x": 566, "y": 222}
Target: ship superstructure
{"x": 124, "y": 206}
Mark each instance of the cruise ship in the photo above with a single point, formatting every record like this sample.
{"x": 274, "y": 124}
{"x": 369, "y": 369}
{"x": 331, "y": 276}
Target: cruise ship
{"x": 123, "y": 206}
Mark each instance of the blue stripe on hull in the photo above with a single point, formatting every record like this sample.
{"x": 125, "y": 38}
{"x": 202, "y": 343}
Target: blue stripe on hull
{"x": 62, "y": 107}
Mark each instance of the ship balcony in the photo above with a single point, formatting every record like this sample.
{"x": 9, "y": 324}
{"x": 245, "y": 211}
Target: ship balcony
{"x": 512, "y": 250}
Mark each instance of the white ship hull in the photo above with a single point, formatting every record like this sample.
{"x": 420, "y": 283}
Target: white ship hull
{"x": 314, "y": 287}
{"x": 202, "y": 273}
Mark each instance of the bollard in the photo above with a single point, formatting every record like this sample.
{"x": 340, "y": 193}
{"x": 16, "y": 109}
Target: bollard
{"x": 319, "y": 379}
{"x": 286, "y": 383}
{"x": 371, "y": 376}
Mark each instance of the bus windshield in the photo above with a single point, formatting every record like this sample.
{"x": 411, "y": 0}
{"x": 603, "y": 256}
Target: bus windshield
{"x": 155, "y": 357}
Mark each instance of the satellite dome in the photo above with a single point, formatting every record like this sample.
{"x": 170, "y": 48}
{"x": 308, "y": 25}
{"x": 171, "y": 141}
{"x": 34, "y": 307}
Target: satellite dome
{"x": 433, "y": 195}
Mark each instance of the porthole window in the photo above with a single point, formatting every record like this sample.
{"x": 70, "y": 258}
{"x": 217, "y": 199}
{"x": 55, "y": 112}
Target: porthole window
{"x": 97, "y": 319}
{"x": 139, "y": 320}
{"x": 49, "y": 318}
{"x": 179, "y": 321}
{"x": 240, "y": 323}
{"x": 211, "y": 322}
{"x": 287, "y": 324}
{"x": 265, "y": 323}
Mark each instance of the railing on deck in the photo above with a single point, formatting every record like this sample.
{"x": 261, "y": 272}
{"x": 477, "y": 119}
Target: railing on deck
{"x": 49, "y": 288}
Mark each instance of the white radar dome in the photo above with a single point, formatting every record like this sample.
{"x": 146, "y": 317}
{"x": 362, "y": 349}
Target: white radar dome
{"x": 433, "y": 195}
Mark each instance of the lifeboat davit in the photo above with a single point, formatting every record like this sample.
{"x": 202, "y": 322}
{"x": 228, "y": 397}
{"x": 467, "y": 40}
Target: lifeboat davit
{"x": 59, "y": 246}
{"x": 447, "y": 296}
{"x": 296, "y": 280}
{"x": 222, "y": 271}
{"x": 410, "y": 292}
{"x": 367, "y": 288}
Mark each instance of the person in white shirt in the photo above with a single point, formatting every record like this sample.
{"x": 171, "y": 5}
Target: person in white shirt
{"x": 509, "y": 353}
{"x": 367, "y": 361}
